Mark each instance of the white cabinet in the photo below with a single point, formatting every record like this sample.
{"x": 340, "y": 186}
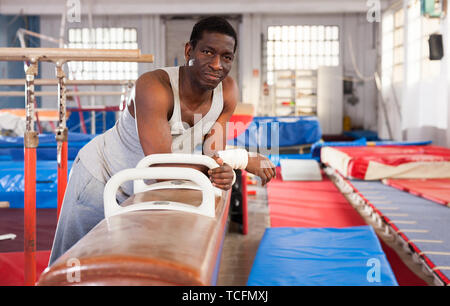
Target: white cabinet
{"x": 330, "y": 99}
{"x": 311, "y": 93}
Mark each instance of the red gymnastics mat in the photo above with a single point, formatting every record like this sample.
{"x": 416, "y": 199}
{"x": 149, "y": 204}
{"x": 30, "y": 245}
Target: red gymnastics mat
{"x": 436, "y": 190}
{"x": 380, "y": 162}
{"x": 309, "y": 204}
{"x": 12, "y": 267}
{"x": 320, "y": 204}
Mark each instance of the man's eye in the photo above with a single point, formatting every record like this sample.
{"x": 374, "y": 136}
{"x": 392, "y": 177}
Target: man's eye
{"x": 207, "y": 52}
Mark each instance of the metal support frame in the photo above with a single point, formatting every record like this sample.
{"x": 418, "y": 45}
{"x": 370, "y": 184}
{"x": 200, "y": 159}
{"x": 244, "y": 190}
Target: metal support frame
{"x": 31, "y": 140}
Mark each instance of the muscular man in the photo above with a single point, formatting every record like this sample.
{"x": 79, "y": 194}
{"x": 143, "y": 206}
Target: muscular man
{"x": 177, "y": 109}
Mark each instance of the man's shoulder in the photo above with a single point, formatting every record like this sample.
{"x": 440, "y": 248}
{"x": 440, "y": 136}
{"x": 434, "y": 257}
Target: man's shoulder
{"x": 229, "y": 83}
{"x": 154, "y": 77}
{"x": 154, "y": 85}
{"x": 230, "y": 91}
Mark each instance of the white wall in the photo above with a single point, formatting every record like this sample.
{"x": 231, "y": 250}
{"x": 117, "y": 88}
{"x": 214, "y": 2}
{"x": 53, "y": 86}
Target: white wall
{"x": 425, "y": 111}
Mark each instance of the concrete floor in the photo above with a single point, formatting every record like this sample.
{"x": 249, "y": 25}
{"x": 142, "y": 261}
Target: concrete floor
{"x": 239, "y": 250}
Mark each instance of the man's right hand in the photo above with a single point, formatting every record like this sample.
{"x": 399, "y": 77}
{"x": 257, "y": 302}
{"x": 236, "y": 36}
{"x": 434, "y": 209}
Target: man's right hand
{"x": 261, "y": 166}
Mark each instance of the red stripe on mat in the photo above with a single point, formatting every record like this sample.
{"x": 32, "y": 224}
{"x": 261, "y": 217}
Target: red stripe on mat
{"x": 436, "y": 190}
{"x": 321, "y": 204}
{"x": 12, "y": 267}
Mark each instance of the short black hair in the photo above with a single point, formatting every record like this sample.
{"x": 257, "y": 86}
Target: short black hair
{"x": 212, "y": 24}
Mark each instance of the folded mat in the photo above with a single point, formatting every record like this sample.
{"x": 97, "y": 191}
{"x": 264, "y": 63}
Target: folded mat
{"x": 321, "y": 256}
{"x": 379, "y": 162}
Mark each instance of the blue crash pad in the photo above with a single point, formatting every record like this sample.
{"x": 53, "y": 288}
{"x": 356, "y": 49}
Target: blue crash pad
{"x": 11, "y": 148}
{"x": 349, "y": 256}
{"x": 287, "y": 131}
{"x": 12, "y": 183}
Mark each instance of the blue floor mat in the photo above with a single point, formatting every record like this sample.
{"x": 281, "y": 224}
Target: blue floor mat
{"x": 349, "y": 256}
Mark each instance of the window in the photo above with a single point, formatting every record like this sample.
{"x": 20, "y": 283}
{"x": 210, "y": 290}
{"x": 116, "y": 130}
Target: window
{"x": 392, "y": 62}
{"x": 103, "y": 38}
{"x": 301, "y": 47}
{"x": 419, "y": 30}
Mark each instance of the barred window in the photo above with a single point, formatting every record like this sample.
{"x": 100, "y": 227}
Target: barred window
{"x": 103, "y": 38}
{"x": 301, "y": 47}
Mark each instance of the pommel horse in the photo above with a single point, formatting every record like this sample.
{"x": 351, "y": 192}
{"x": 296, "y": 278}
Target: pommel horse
{"x": 167, "y": 233}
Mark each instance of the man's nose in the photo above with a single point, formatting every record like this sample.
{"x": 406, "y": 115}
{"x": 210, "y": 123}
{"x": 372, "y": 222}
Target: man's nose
{"x": 215, "y": 63}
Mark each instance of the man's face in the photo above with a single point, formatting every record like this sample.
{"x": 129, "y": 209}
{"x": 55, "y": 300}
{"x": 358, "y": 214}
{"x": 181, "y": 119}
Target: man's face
{"x": 213, "y": 57}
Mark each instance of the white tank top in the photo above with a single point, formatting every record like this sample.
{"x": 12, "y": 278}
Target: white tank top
{"x": 119, "y": 148}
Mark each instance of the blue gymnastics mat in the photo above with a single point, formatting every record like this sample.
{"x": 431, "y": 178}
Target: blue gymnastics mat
{"x": 421, "y": 222}
{"x": 12, "y": 183}
{"x": 350, "y": 256}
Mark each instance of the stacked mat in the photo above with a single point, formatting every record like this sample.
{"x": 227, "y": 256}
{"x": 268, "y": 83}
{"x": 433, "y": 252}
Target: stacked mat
{"x": 268, "y": 132}
{"x": 379, "y": 162}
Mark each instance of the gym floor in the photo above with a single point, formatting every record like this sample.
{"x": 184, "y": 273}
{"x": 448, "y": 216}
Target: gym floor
{"x": 239, "y": 250}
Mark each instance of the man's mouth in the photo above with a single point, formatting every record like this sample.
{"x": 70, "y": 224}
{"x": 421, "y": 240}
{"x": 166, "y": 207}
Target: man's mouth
{"x": 212, "y": 77}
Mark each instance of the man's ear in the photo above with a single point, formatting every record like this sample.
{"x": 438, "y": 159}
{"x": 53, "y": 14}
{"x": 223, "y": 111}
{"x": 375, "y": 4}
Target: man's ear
{"x": 187, "y": 51}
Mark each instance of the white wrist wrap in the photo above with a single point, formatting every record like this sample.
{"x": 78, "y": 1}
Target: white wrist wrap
{"x": 236, "y": 158}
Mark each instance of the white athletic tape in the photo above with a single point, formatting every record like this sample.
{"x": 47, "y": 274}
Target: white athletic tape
{"x": 236, "y": 158}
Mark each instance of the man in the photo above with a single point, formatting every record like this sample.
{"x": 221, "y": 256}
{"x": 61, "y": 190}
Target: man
{"x": 176, "y": 109}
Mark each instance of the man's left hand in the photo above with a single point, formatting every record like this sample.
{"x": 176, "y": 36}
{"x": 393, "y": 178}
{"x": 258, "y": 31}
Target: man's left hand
{"x": 261, "y": 166}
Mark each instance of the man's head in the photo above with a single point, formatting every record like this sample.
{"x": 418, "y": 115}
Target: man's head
{"x": 211, "y": 50}
{"x": 212, "y": 24}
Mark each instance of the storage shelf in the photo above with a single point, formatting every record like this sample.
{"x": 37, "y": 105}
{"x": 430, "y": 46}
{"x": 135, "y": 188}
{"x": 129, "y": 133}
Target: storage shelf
{"x": 303, "y": 91}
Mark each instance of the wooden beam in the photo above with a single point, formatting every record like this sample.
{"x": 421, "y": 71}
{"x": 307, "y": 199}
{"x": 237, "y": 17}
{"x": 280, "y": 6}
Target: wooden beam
{"x": 21, "y": 82}
{"x": 68, "y": 93}
{"x": 68, "y": 54}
